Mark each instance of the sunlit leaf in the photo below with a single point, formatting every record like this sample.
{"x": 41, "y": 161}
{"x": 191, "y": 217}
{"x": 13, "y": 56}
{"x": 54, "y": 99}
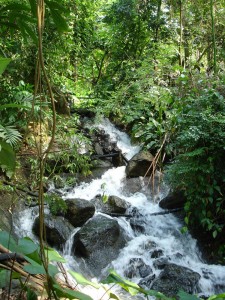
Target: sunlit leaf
{"x": 185, "y": 296}
{"x": 3, "y": 64}
{"x": 127, "y": 285}
{"x": 217, "y": 297}
{"x": 70, "y": 294}
{"x": 80, "y": 279}
{"x": 113, "y": 296}
{"x": 53, "y": 255}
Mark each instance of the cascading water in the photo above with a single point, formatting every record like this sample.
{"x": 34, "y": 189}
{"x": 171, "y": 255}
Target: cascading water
{"x": 162, "y": 231}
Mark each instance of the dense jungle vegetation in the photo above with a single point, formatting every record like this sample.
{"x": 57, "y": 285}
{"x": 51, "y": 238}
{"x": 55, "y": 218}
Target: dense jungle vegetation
{"x": 154, "y": 67}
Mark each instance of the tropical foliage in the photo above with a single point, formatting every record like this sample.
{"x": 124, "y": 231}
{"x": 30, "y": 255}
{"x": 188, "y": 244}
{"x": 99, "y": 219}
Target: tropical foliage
{"x": 154, "y": 67}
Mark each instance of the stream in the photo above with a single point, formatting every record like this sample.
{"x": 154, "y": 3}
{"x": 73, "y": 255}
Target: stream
{"x": 164, "y": 231}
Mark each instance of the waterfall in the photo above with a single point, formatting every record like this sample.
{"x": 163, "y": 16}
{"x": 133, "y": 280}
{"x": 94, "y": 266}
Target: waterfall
{"x": 162, "y": 230}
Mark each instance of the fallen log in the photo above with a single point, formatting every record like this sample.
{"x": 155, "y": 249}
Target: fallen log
{"x": 170, "y": 211}
{"x": 153, "y": 214}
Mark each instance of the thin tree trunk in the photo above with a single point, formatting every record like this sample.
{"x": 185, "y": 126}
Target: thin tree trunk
{"x": 181, "y": 34}
{"x": 213, "y": 37}
{"x": 158, "y": 20}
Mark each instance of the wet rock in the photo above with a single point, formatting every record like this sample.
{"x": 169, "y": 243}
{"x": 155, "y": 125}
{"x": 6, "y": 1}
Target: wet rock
{"x": 149, "y": 245}
{"x": 174, "y": 278}
{"x": 57, "y": 229}
{"x": 173, "y": 200}
{"x": 137, "y": 268}
{"x": 114, "y": 204}
{"x": 98, "y": 242}
{"x": 157, "y": 253}
{"x": 98, "y": 149}
{"x": 79, "y": 211}
{"x": 139, "y": 164}
{"x": 147, "y": 281}
{"x": 117, "y": 204}
{"x": 161, "y": 263}
{"x": 137, "y": 225}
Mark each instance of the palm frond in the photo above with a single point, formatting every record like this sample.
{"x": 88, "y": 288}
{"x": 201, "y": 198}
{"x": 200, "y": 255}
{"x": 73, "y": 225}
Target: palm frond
{"x": 10, "y": 134}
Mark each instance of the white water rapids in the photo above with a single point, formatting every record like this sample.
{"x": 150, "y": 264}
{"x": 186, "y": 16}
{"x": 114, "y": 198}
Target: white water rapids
{"x": 163, "y": 230}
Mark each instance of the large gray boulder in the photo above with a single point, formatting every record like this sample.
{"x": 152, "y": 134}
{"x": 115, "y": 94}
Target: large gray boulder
{"x": 139, "y": 164}
{"x": 57, "y": 230}
{"x": 113, "y": 205}
{"x": 79, "y": 211}
{"x": 98, "y": 242}
{"x": 173, "y": 200}
{"x": 174, "y": 278}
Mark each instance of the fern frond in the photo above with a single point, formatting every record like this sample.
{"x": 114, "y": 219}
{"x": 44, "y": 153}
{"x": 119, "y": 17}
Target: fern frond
{"x": 10, "y": 135}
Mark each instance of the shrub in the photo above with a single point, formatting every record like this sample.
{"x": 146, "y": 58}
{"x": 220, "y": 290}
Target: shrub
{"x": 199, "y": 166}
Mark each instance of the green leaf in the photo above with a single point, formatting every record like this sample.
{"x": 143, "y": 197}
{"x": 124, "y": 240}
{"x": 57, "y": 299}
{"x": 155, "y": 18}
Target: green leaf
{"x": 39, "y": 269}
{"x": 36, "y": 268}
{"x": 31, "y": 295}
{"x": 33, "y": 6}
{"x": 217, "y": 297}
{"x": 7, "y": 241}
{"x": 11, "y": 134}
{"x": 215, "y": 233}
{"x": 185, "y": 296}
{"x": 113, "y": 296}
{"x": 53, "y": 255}
{"x": 57, "y": 17}
{"x": 186, "y": 220}
{"x": 105, "y": 198}
{"x": 80, "y": 279}
{"x": 34, "y": 256}
{"x": 4, "y": 278}
{"x": 127, "y": 285}
{"x": 26, "y": 246}
{"x": 70, "y": 294}
{"x": 12, "y": 105}
{"x": 156, "y": 294}
{"x": 15, "y": 7}
{"x": 3, "y": 64}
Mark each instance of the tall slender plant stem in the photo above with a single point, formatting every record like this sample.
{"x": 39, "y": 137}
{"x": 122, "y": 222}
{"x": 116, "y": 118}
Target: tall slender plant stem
{"x": 41, "y": 153}
{"x": 213, "y": 37}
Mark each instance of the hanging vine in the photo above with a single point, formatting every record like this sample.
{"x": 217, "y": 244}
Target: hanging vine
{"x": 41, "y": 75}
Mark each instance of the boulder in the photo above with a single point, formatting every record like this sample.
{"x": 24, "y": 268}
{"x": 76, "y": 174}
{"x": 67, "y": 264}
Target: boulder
{"x": 58, "y": 230}
{"x": 98, "y": 242}
{"x": 79, "y": 211}
{"x": 138, "y": 225}
{"x": 147, "y": 281}
{"x": 139, "y": 164}
{"x": 157, "y": 253}
{"x": 114, "y": 204}
{"x": 173, "y": 200}
{"x": 174, "y": 278}
{"x": 137, "y": 268}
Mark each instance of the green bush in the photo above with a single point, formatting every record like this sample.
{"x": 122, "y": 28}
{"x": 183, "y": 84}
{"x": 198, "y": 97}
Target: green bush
{"x": 199, "y": 166}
